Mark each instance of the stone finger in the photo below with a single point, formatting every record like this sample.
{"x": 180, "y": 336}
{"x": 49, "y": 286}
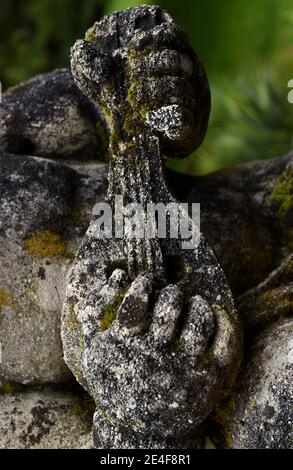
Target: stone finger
{"x": 98, "y": 309}
{"x": 166, "y": 313}
{"x": 198, "y": 327}
{"x": 133, "y": 313}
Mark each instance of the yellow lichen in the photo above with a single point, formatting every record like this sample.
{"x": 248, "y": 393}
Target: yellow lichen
{"x": 103, "y": 141}
{"x": 90, "y": 34}
{"x": 208, "y": 358}
{"x": 81, "y": 340}
{"x": 5, "y": 299}
{"x": 71, "y": 323}
{"x": 277, "y": 300}
{"x": 228, "y": 439}
{"x": 46, "y": 244}
{"x": 78, "y": 375}
{"x": 223, "y": 413}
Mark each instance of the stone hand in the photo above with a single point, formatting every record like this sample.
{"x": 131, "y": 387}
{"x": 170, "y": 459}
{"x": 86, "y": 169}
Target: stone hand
{"x": 151, "y": 364}
{"x": 149, "y": 328}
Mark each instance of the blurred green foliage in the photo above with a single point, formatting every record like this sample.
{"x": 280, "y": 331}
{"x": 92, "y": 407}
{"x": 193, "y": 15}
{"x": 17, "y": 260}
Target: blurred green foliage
{"x": 251, "y": 119}
{"x": 247, "y": 49}
{"x": 35, "y": 35}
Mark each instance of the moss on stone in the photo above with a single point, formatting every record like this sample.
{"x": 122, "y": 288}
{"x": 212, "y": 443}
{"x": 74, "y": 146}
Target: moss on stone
{"x": 71, "y": 323}
{"x": 46, "y": 244}
{"x": 134, "y": 110}
{"x": 282, "y": 196}
{"x": 81, "y": 340}
{"x": 223, "y": 415}
{"x": 90, "y": 34}
{"x": 111, "y": 311}
{"x": 208, "y": 358}
{"x": 275, "y": 299}
{"x": 78, "y": 375}
{"x": 6, "y": 300}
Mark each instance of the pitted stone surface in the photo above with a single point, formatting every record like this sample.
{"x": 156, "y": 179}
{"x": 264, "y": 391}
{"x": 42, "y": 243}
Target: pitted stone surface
{"x": 45, "y": 208}
{"x": 49, "y": 117}
{"x": 262, "y": 417}
{"x": 245, "y": 217}
{"x": 48, "y": 419}
{"x": 149, "y": 329}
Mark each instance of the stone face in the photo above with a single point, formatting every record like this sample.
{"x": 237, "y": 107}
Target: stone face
{"x": 262, "y": 413}
{"x": 48, "y": 419}
{"x": 47, "y": 116}
{"x": 45, "y": 208}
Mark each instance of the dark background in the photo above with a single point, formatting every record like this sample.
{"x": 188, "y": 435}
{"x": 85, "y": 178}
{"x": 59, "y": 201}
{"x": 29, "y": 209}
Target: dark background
{"x": 246, "y": 46}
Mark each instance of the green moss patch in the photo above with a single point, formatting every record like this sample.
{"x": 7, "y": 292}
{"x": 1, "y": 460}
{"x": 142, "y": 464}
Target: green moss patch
{"x": 282, "y": 196}
{"x": 111, "y": 311}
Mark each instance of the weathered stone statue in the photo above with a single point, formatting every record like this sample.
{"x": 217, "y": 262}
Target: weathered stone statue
{"x": 149, "y": 328}
{"x": 152, "y": 342}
